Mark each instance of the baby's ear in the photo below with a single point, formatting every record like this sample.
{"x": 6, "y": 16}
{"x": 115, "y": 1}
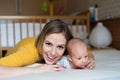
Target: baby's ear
{"x": 69, "y": 57}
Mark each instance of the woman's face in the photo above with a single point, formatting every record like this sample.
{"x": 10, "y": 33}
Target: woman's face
{"x": 53, "y": 47}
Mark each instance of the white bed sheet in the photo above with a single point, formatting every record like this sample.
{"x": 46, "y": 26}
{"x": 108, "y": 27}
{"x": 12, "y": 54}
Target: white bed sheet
{"x": 107, "y": 68}
{"x": 72, "y": 75}
{"x": 108, "y": 59}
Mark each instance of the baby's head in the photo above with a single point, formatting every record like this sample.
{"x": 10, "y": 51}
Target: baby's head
{"x": 77, "y": 54}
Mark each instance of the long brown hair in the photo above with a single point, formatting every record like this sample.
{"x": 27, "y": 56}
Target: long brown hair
{"x": 54, "y": 26}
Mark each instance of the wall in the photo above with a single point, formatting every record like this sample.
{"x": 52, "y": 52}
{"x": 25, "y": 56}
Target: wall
{"x": 7, "y": 6}
{"x": 77, "y": 6}
{"x": 107, "y": 7}
{"x": 33, "y": 7}
{"x": 29, "y": 7}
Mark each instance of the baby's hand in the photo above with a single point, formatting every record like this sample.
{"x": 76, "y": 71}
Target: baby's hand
{"x": 91, "y": 64}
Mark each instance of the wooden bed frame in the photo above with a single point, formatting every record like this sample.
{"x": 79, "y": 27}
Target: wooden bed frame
{"x": 81, "y": 19}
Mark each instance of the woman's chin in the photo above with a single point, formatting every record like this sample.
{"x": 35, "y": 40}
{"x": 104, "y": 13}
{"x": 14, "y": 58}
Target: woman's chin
{"x": 50, "y": 62}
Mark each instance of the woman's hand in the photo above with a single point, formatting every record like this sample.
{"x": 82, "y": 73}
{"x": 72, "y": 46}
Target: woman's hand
{"x": 7, "y": 72}
{"x": 47, "y": 68}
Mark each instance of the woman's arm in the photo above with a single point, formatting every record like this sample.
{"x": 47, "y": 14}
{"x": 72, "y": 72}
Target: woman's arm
{"x": 7, "y": 72}
{"x": 25, "y": 55}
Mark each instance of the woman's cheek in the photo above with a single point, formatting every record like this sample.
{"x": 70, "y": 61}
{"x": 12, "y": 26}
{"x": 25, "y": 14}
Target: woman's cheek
{"x": 46, "y": 48}
{"x": 61, "y": 53}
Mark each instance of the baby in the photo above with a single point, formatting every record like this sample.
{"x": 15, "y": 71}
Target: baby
{"x": 77, "y": 57}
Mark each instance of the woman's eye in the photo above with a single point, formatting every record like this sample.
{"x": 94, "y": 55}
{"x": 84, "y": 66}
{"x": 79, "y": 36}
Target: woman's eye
{"x": 60, "y": 47}
{"x": 48, "y": 44}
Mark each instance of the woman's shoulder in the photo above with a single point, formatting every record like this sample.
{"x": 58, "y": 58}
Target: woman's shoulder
{"x": 26, "y": 42}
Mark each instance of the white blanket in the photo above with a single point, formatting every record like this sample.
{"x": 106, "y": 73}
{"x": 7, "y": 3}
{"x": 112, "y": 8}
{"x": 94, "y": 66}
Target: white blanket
{"x": 107, "y": 68}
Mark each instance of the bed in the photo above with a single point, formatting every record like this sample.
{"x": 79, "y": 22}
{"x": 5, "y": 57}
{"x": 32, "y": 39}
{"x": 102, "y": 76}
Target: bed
{"x": 15, "y": 28}
{"x": 107, "y": 68}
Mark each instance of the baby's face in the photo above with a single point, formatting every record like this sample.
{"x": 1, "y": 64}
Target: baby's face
{"x": 79, "y": 58}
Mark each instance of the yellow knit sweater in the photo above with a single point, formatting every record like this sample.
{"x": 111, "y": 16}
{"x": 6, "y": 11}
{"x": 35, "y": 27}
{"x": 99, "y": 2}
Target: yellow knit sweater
{"x": 24, "y": 53}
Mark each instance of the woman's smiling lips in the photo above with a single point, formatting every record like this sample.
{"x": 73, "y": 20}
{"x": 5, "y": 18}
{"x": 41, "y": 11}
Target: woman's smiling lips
{"x": 50, "y": 58}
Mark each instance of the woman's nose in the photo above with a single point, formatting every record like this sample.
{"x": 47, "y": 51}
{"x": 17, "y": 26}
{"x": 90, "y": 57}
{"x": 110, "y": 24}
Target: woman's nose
{"x": 53, "y": 51}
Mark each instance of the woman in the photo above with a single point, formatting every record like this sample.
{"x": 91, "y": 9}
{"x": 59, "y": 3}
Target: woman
{"x": 49, "y": 47}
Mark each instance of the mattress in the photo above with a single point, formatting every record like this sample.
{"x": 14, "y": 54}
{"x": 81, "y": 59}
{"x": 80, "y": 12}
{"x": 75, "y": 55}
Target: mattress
{"x": 107, "y": 68}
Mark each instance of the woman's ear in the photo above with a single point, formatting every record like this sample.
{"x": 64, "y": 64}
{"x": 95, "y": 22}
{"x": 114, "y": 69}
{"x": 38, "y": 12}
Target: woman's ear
{"x": 69, "y": 57}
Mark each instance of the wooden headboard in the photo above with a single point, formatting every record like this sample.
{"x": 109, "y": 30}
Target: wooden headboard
{"x": 113, "y": 25}
{"x": 30, "y": 26}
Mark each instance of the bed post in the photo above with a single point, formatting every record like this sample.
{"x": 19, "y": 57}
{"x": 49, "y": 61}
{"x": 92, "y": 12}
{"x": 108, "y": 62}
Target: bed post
{"x": 0, "y": 52}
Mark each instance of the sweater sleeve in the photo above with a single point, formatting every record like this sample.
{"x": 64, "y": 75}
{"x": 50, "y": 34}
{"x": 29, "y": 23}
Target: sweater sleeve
{"x": 26, "y": 54}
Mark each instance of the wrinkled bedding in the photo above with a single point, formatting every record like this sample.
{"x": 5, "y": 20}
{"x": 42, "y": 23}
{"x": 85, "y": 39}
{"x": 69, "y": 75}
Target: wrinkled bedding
{"x": 107, "y": 68}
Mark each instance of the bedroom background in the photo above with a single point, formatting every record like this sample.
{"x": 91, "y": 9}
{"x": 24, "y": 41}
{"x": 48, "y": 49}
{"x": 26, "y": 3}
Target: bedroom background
{"x": 107, "y": 60}
{"x": 106, "y": 7}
